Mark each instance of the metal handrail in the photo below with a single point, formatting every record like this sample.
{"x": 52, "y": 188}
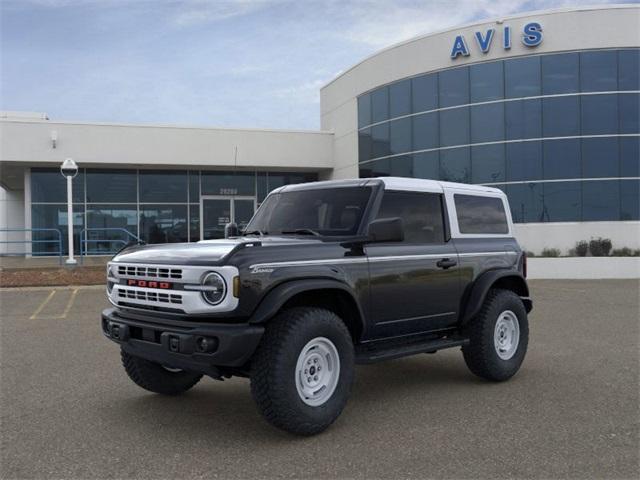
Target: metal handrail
{"x": 31, "y": 241}
{"x": 84, "y": 240}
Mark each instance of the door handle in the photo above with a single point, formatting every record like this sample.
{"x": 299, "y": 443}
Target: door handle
{"x": 446, "y": 263}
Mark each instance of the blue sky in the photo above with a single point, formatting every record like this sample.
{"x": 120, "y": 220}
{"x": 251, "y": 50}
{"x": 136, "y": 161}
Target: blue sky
{"x": 229, "y": 63}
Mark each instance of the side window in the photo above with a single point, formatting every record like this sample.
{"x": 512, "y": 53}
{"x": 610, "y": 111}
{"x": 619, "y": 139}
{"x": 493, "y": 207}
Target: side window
{"x": 421, "y": 214}
{"x": 478, "y": 214}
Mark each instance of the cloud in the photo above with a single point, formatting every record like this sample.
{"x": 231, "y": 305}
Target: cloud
{"x": 191, "y": 12}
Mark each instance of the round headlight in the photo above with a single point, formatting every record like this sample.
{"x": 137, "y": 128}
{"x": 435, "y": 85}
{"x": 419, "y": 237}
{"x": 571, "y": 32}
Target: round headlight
{"x": 214, "y": 288}
{"x": 110, "y": 276}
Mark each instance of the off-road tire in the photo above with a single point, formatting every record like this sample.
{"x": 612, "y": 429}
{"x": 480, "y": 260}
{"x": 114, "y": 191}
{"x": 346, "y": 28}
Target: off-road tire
{"x": 480, "y": 355}
{"x": 155, "y": 378}
{"x": 273, "y": 377}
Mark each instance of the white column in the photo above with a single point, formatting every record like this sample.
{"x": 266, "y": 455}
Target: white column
{"x": 70, "y": 260}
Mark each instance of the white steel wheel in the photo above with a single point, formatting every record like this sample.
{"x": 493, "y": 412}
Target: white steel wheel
{"x": 317, "y": 371}
{"x": 506, "y": 335}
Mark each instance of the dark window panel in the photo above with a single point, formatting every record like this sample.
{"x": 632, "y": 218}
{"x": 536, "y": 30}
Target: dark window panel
{"x": 524, "y": 161}
{"x": 401, "y": 166}
{"x": 454, "y": 87}
{"x": 522, "y": 77}
{"x": 48, "y": 185}
{"x": 455, "y": 165}
{"x": 629, "y": 199}
{"x": 364, "y": 110}
{"x": 163, "y": 186}
{"x": 525, "y": 202}
{"x": 365, "y": 145}
{"x": 601, "y": 200}
{"x": 560, "y": 73}
{"x": 486, "y": 82}
{"x": 400, "y": 135}
{"x": 523, "y": 119}
{"x": 380, "y": 140}
{"x": 400, "y": 98}
{"x": 600, "y": 157}
{"x": 262, "y": 186}
{"x": 561, "y": 159}
{"x": 454, "y": 127}
{"x": 629, "y": 69}
{"x": 194, "y": 223}
{"x": 379, "y": 168}
{"x": 629, "y": 112}
{"x": 426, "y": 165}
{"x": 276, "y": 180}
{"x": 599, "y": 114}
{"x": 380, "y": 105}
{"x": 630, "y": 156}
{"x": 561, "y": 116}
{"x": 112, "y": 186}
{"x": 54, "y": 217}
{"x": 487, "y": 164}
{"x": 194, "y": 186}
{"x": 421, "y": 215}
{"x": 599, "y": 71}
{"x": 562, "y": 201}
{"x": 484, "y": 215}
{"x": 424, "y": 93}
{"x": 164, "y": 223}
{"x": 108, "y": 226}
{"x": 228, "y": 183}
{"x": 487, "y": 123}
{"x": 365, "y": 171}
{"x": 425, "y": 131}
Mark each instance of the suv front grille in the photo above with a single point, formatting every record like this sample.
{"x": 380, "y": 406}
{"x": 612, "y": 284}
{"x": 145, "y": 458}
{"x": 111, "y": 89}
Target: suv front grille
{"x": 150, "y": 272}
{"x": 148, "y": 296}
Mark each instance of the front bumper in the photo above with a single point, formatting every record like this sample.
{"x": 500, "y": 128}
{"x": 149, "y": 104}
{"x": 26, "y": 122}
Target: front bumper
{"x": 197, "y": 347}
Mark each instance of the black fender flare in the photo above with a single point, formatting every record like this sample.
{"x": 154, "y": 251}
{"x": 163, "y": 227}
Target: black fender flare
{"x": 274, "y": 300}
{"x": 483, "y": 284}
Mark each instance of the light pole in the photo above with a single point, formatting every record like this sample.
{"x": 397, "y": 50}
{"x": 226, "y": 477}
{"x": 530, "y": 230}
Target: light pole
{"x": 69, "y": 170}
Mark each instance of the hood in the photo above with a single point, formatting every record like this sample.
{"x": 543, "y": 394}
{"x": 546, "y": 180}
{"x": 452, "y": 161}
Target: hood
{"x": 207, "y": 252}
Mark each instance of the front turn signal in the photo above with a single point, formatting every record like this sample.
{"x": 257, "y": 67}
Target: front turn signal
{"x": 236, "y": 287}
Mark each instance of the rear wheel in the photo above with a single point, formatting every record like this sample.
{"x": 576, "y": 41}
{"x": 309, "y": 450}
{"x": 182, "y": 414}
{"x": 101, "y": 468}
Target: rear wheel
{"x": 303, "y": 369}
{"x": 498, "y": 336}
{"x": 158, "y": 378}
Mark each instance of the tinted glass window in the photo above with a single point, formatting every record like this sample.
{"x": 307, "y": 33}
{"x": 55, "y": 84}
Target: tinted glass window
{"x": 523, "y": 119}
{"x": 53, "y": 216}
{"x": 400, "y": 99}
{"x": 380, "y": 140}
{"x": 454, "y": 127}
{"x": 400, "y": 135}
{"x": 426, "y": 165}
{"x": 561, "y": 116}
{"x": 480, "y": 214}
{"x": 380, "y": 105}
{"x": 487, "y": 123}
{"x": 379, "y": 168}
{"x": 525, "y": 201}
{"x": 401, "y": 166}
{"x": 228, "y": 183}
{"x": 194, "y": 186}
{"x": 112, "y": 186}
{"x": 167, "y": 186}
{"x": 421, "y": 215}
{"x": 487, "y": 82}
{"x": 487, "y": 164}
{"x": 276, "y": 180}
{"x": 599, "y": 114}
{"x": 599, "y": 71}
{"x": 630, "y": 156}
{"x": 562, "y": 201}
{"x": 365, "y": 144}
{"x": 561, "y": 159}
{"x": 524, "y": 161}
{"x": 629, "y": 70}
{"x": 522, "y": 77}
{"x": 425, "y": 131}
{"x": 454, "y": 87}
{"x": 424, "y": 93}
{"x": 600, "y": 157}
{"x": 455, "y": 165}
{"x": 600, "y": 200}
{"x": 194, "y": 223}
{"x": 364, "y": 110}
{"x": 48, "y": 185}
{"x": 560, "y": 73}
{"x": 629, "y": 113}
{"x": 629, "y": 203}
{"x": 164, "y": 223}
{"x": 123, "y": 218}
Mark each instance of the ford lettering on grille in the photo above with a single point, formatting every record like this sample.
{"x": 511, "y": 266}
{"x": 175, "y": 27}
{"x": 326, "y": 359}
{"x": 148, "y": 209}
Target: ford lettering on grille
{"x": 149, "y": 284}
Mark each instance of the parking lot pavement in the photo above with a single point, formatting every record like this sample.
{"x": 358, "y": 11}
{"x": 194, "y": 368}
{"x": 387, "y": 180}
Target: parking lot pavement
{"x": 68, "y": 409}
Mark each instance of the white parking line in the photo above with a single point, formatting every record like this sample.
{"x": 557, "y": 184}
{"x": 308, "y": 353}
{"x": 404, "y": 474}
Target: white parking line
{"x": 42, "y": 305}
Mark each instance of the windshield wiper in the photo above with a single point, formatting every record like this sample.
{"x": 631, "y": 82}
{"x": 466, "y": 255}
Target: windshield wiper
{"x": 302, "y": 231}
{"x": 254, "y": 232}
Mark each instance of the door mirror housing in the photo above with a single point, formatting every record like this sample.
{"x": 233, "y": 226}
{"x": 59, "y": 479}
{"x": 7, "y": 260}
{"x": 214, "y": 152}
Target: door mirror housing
{"x": 386, "y": 230}
{"x": 231, "y": 230}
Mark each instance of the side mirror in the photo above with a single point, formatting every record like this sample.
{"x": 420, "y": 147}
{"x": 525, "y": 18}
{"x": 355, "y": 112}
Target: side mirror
{"x": 386, "y": 230}
{"x": 231, "y": 230}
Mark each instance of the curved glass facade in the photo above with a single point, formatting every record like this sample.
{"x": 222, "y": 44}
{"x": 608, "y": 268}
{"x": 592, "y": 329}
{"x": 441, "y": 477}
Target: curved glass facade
{"x": 559, "y": 133}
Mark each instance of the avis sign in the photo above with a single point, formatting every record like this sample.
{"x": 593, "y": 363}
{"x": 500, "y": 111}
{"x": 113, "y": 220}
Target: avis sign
{"x": 531, "y": 37}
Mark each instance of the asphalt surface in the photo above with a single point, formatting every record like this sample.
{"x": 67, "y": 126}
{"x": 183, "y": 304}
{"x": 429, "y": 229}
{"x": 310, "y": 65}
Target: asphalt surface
{"x": 69, "y": 411}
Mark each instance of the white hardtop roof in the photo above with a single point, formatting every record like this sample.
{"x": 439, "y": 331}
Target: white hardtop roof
{"x": 422, "y": 185}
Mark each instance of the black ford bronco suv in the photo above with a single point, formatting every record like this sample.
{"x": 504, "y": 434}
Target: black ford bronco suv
{"x": 326, "y": 275}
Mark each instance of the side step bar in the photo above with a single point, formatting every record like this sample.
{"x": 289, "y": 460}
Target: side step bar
{"x": 369, "y": 353}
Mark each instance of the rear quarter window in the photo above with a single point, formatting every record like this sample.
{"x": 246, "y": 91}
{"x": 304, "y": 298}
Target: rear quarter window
{"x": 482, "y": 215}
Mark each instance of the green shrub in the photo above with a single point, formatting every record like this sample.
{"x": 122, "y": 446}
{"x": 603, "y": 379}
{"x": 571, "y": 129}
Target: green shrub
{"x": 530, "y": 254}
{"x": 582, "y": 248}
{"x": 600, "y": 247}
{"x": 625, "y": 252}
{"x": 550, "y": 252}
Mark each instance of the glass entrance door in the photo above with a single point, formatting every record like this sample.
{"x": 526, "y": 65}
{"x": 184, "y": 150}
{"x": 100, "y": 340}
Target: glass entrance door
{"x": 217, "y": 211}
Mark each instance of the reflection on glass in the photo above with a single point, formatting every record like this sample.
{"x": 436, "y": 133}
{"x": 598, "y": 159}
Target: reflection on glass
{"x": 525, "y": 202}
{"x": 487, "y": 164}
{"x": 380, "y": 105}
{"x": 365, "y": 145}
{"x": 599, "y": 71}
{"x": 523, "y": 119}
{"x": 630, "y": 157}
{"x": 629, "y": 113}
{"x": 561, "y": 159}
{"x": 599, "y": 114}
{"x": 455, "y": 165}
{"x": 600, "y": 157}
{"x": 163, "y": 223}
{"x": 524, "y": 161}
{"x": 107, "y": 227}
{"x": 562, "y": 201}
{"x": 560, "y": 73}
{"x": 454, "y": 87}
{"x": 561, "y": 116}
{"x": 216, "y": 214}
{"x": 426, "y": 165}
{"x": 112, "y": 186}
{"x": 487, "y": 123}
{"x": 522, "y": 77}
{"x": 194, "y": 222}
{"x": 54, "y": 217}
{"x": 629, "y": 69}
{"x": 48, "y": 185}
{"x": 424, "y": 93}
{"x": 364, "y": 110}
{"x": 163, "y": 186}
{"x": 454, "y": 127}
{"x": 400, "y": 98}
{"x": 487, "y": 81}
{"x": 600, "y": 200}
{"x": 425, "y": 131}
{"x": 629, "y": 200}
{"x": 380, "y": 140}
{"x": 400, "y": 135}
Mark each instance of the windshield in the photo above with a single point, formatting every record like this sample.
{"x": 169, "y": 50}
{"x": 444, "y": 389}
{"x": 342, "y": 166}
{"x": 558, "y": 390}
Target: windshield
{"x": 326, "y": 212}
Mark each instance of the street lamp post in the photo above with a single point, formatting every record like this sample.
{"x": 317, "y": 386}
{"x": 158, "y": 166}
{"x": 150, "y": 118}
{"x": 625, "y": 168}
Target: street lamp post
{"x": 69, "y": 170}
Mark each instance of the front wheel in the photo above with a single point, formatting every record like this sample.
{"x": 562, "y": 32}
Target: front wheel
{"x": 498, "y": 337}
{"x": 303, "y": 369}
